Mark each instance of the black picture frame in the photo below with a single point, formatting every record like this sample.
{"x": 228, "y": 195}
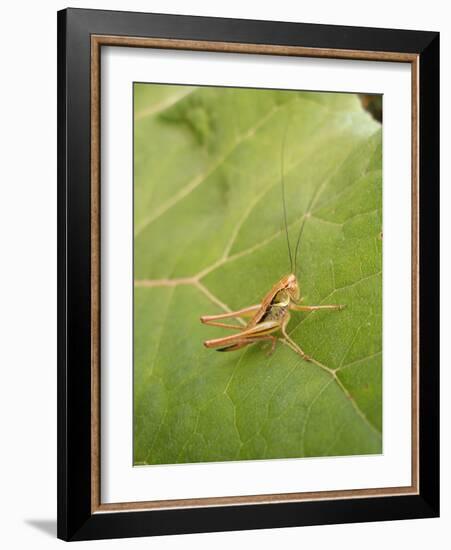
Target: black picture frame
{"x": 76, "y": 518}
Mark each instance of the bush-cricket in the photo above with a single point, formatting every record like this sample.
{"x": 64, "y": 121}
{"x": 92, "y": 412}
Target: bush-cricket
{"x": 272, "y": 314}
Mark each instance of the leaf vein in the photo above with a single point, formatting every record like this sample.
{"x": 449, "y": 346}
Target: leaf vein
{"x": 200, "y": 178}
{"x": 163, "y": 105}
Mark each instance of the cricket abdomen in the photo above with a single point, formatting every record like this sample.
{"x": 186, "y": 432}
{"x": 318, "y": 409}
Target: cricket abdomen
{"x": 275, "y": 313}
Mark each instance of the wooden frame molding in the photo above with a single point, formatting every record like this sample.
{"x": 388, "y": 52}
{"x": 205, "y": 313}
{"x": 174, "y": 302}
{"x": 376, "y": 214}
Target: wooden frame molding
{"x": 97, "y": 41}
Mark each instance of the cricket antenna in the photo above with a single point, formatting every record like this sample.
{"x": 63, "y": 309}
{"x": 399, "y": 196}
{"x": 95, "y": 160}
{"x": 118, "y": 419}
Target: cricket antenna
{"x": 282, "y": 181}
{"x": 304, "y": 217}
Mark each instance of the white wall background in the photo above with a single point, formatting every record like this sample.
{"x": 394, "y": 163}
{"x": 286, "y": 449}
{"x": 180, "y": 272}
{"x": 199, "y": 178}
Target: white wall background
{"x": 28, "y": 272}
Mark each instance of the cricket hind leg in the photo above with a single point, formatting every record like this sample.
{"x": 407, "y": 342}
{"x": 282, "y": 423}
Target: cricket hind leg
{"x": 245, "y": 312}
{"x": 261, "y": 331}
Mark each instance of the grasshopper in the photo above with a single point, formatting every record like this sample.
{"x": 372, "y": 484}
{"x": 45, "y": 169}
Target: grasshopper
{"x": 272, "y": 314}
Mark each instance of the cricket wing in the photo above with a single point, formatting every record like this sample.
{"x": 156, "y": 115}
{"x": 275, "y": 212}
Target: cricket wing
{"x": 267, "y": 300}
{"x": 235, "y": 347}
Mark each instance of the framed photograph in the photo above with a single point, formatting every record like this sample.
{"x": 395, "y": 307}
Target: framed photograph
{"x": 248, "y": 274}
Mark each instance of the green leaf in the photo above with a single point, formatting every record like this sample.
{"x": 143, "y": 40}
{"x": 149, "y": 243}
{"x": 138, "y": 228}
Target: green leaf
{"x": 209, "y": 237}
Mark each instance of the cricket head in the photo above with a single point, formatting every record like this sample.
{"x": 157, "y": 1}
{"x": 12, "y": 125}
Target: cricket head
{"x": 292, "y": 287}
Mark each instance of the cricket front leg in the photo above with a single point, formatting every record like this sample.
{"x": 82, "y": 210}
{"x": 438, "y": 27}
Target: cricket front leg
{"x": 296, "y": 307}
{"x": 291, "y": 343}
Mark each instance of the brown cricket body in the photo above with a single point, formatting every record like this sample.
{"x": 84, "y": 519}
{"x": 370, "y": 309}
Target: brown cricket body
{"x": 270, "y": 316}
{"x": 273, "y": 313}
